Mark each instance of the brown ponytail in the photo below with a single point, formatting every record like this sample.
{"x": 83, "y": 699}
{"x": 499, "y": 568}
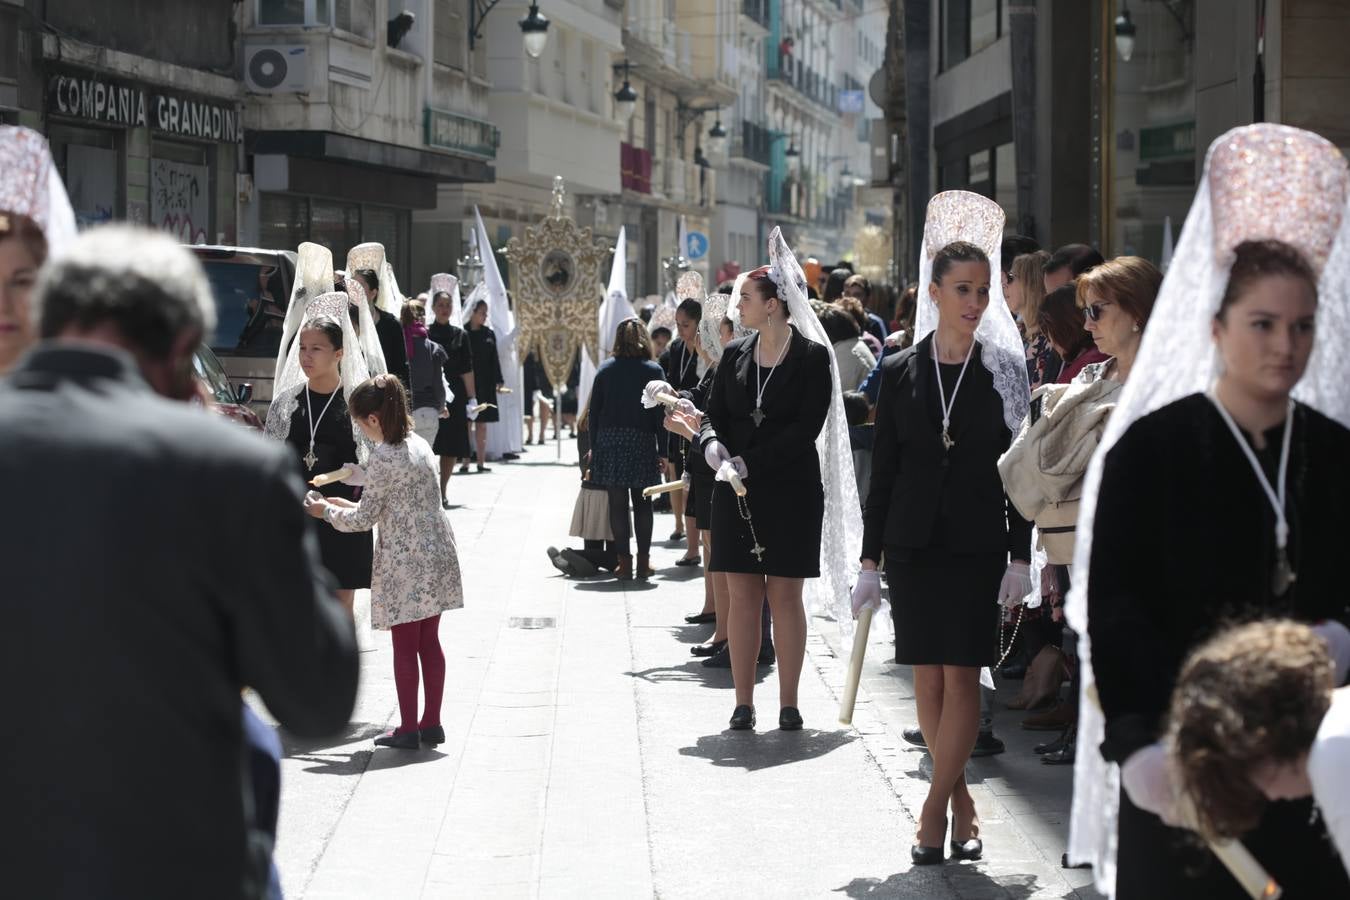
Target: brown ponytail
{"x": 383, "y": 396}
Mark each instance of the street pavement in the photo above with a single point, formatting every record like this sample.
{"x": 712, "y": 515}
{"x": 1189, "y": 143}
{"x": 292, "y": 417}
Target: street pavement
{"x": 587, "y": 753}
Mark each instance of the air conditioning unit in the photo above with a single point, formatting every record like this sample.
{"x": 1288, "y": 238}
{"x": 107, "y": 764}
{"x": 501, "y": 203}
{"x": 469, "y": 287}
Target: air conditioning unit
{"x": 276, "y": 68}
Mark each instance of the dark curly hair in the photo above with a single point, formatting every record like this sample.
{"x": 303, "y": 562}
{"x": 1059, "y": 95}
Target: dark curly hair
{"x": 953, "y": 253}
{"x": 1254, "y": 260}
{"x": 1253, "y": 694}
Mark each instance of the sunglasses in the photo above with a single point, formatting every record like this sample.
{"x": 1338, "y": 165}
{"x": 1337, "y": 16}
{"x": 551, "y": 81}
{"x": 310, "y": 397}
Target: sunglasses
{"x": 1094, "y": 310}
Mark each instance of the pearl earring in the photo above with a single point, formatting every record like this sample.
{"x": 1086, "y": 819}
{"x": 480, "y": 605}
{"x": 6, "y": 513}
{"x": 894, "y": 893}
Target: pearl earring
{"x": 1135, "y": 329}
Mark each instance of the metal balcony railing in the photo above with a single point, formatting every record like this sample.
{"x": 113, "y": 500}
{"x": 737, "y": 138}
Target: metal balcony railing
{"x": 757, "y": 10}
{"x": 756, "y": 143}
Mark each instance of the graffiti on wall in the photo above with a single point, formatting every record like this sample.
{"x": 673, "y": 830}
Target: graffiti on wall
{"x": 180, "y": 199}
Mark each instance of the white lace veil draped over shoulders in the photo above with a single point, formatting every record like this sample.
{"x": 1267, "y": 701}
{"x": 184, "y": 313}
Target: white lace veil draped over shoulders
{"x": 1261, "y": 182}
{"x": 841, "y": 533}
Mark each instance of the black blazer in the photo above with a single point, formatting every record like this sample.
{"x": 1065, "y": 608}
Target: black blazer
{"x": 1183, "y": 543}
{"x": 923, "y": 496}
{"x": 796, "y": 402}
{"x": 158, "y": 560}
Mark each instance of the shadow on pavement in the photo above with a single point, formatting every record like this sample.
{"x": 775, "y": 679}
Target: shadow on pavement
{"x": 336, "y": 763}
{"x": 679, "y": 574}
{"x": 691, "y": 634}
{"x": 355, "y": 731}
{"x": 609, "y": 585}
{"x": 754, "y": 751}
{"x": 964, "y": 879}
{"x": 693, "y": 672}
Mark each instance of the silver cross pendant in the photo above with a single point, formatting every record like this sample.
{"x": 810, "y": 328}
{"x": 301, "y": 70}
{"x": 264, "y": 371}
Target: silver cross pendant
{"x": 947, "y": 442}
{"x": 758, "y": 551}
{"x": 310, "y": 459}
{"x": 758, "y": 416}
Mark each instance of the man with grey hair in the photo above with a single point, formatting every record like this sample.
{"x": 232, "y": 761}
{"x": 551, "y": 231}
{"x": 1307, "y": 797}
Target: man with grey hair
{"x": 158, "y": 562}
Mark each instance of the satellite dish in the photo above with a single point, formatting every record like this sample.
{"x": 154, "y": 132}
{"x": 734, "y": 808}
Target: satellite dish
{"x": 876, "y": 87}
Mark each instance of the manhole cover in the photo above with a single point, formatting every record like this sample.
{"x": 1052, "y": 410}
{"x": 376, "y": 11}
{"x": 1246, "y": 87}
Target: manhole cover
{"x": 531, "y": 622}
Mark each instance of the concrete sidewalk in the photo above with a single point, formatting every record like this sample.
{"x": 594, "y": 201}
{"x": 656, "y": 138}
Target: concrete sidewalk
{"x": 587, "y": 754}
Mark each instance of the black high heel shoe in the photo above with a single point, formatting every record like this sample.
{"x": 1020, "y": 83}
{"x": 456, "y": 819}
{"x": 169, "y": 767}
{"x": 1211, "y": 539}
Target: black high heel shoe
{"x": 920, "y": 855}
{"x": 703, "y": 618}
{"x": 969, "y": 849}
{"x": 743, "y": 718}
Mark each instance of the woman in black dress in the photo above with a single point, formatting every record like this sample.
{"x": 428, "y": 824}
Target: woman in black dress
{"x": 680, "y": 362}
{"x": 320, "y": 431}
{"x": 452, "y": 437}
{"x": 1218, "y": 498}
{"x": 487, "y": 373}
{"x": 768, "y": 403}
{"x": 936, "y": 507}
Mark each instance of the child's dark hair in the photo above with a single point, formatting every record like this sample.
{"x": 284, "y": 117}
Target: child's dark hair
{"x": 691, "y": 308}
{"x": 330, "y": 328}
{"x": 953, "y": 253}
{"x": 383, "y": 396}
{"x": 856, "y": 408}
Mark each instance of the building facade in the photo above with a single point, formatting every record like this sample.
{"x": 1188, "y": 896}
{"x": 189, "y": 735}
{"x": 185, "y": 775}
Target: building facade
{"x": 142, "y": 129}
{"x": 1089, "y": 121}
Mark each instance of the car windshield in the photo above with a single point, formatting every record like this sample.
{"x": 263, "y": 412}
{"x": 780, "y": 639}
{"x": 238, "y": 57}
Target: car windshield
{"x": 212, "y": 374}
{"x": 250, "y": 307}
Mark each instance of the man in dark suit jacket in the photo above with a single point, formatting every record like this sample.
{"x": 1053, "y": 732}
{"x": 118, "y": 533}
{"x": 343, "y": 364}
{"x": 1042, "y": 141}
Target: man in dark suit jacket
{"x": 157, "y": 561}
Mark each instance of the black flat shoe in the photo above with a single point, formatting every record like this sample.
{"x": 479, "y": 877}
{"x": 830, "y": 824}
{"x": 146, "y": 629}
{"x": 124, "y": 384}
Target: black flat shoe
{"x": 986, "y": 744}
{"x": 719, "y": 660}
{"x": 405, "y": 740}
{"x": 789, "y": 719}
{"x": 743, "y": 718}
{"x": 482, "y": 468}
{"x": 972, "y": 849}
{"x": 710, "y": 649}
{"x": 464, "y": 469}
{"x": 708, "y": 618}
{"x": 510, "y": 456}
{"x": 559, "y": 562}
{"x": 432, "y": 735}
{"x": 1053, "y": 746}
{"x": 677, "y": 536}
{"x": 688, "y": 561}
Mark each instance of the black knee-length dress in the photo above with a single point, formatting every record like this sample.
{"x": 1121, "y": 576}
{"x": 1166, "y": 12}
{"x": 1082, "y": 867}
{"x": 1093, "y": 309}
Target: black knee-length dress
{"x": 452, "y": 437}
{"x": 487, "y": 370}
{"x": 940, "y": 515}
{"x": 347, "y": 556}
{"x": 785, "y": 499}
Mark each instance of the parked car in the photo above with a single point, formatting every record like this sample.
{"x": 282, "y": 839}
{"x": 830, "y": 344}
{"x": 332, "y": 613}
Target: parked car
{"x": 251, "y": 287}
{"x": 231, "y": 402}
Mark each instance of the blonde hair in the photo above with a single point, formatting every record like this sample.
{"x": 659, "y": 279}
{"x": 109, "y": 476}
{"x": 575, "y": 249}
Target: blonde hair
{"x": 1028, "y": 270}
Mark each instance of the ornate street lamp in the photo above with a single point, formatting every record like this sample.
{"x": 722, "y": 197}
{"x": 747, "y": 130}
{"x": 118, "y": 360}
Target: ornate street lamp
{"x": 625, "y": 98}
{"x": 717, "y": 135}
{"x": 534, "y": 30}
{"x": 1125, "y": 32}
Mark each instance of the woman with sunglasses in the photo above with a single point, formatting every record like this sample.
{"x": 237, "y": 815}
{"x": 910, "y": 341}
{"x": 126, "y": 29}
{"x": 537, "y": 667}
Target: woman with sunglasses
{"x": 1117, "y": 297}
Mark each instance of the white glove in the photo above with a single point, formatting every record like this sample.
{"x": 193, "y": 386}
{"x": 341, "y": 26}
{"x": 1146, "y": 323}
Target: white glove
{"x": 649, "y": 393}
{"x": 895, "y": 338}
{"x": 714, "y": 454}
{"x": 1016, "y": 584}
{"x": 357, "y": 477}
{"x": 728, "y": 466}
{"x": 687, "y": 407}
{"x": 471, "y": 408}
{"x": 1337, "y": 637}
{"x": 1147, "y": 779}
{"x": 867, "y": 592}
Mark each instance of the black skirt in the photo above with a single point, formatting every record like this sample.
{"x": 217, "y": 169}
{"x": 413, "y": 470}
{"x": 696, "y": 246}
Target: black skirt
{"x": 945, "y": 607}
{"x": 698, "y": 501}
{"x": 348, "y": 555}
{"x": 786, "y": 520}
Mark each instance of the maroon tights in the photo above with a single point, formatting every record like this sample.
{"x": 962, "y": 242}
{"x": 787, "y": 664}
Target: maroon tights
{"x": 414, "y": 640}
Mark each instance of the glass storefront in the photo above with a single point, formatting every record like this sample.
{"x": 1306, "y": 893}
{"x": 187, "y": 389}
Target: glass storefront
{"x": 287, "y": 220}
{"x": 1151, "y": 161}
